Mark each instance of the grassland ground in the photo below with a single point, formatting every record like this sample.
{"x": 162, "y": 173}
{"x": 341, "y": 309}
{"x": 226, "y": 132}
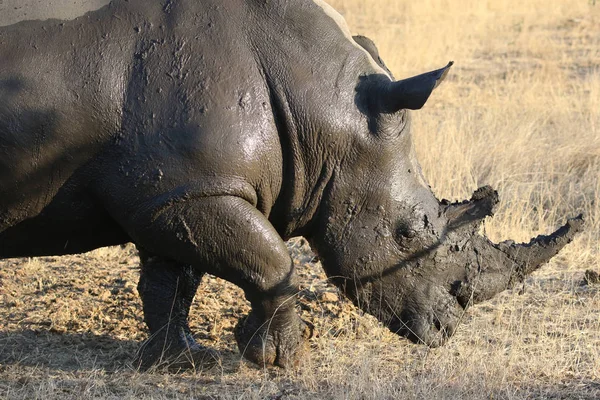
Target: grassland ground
{"x": 520, "y": 111}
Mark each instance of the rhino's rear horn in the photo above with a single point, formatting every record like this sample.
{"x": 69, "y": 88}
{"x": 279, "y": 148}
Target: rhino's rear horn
{"x": 467, "y": 215}
{"x": 411, "y": 93}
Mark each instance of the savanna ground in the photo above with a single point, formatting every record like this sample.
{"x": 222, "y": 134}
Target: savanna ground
{"x": 520, "y": 111}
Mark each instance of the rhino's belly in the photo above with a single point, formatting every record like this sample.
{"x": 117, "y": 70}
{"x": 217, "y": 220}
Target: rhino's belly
{"x": 73, "y": 222}
{"x": 37, "y": 164}
{"x": 44, "y": 143}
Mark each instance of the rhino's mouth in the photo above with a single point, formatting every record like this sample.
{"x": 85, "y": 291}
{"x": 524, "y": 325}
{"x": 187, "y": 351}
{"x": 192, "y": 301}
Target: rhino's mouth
{"x": 424, "y": 298}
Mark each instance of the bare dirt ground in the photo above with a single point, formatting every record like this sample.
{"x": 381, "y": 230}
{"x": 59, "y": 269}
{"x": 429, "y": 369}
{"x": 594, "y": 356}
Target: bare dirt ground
{"x": 520, "y": 111}
{"x": 71, "y": 325}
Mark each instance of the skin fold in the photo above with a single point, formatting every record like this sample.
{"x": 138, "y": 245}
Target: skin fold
{"x": 208, "y": 133}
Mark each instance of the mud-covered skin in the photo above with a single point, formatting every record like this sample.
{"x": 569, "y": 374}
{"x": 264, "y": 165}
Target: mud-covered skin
{"x": 208, "y": 133}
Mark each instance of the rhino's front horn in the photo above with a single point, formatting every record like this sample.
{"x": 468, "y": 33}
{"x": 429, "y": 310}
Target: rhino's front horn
{"x": 540, "y": 250}
{"x": 411, "y": 93}
{"x": 499, "y": 266}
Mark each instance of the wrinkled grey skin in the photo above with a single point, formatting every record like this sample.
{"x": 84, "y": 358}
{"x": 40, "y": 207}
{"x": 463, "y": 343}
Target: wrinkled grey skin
{"x": 207, "y": 133}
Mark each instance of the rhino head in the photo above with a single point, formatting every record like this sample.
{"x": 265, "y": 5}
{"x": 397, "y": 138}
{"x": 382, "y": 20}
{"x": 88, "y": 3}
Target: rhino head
{"x": 400, "y": 254}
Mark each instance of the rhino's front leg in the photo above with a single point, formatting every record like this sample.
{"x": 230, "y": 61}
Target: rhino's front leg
{"x": 167, "y": 289}
{"x": 231, "y": 239}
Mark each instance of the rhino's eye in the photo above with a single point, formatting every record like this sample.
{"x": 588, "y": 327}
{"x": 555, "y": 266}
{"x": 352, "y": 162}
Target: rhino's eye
{"x": 403, "y": 232}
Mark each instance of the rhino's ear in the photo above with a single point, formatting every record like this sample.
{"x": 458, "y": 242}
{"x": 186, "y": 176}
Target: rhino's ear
{"x": 411, "y": 93}
{"x": 367, "y": 44}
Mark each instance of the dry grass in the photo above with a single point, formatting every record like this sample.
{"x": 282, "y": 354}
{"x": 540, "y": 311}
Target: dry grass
{"x": 520, "y": 111}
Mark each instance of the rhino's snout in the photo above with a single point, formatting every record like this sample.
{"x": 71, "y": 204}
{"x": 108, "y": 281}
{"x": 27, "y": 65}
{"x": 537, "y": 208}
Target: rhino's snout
{"x": 425, "y": 295}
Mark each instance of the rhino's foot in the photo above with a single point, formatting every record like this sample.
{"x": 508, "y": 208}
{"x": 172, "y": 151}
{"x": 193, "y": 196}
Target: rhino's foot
{"x": 280, "y": 340}
{"x": 175, "y": 356}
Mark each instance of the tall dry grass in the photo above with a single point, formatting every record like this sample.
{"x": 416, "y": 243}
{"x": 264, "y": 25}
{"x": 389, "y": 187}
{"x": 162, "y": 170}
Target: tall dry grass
{"x": 520, "y": 111}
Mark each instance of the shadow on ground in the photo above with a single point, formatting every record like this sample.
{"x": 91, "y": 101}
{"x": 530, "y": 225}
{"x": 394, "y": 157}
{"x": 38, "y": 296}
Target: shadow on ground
{"x": 65, "y": 351}
{"x": 69, "y": 352}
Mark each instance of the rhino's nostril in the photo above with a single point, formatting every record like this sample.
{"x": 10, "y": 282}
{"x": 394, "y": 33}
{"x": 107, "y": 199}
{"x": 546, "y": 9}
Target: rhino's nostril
{"x": 437, "y": 323}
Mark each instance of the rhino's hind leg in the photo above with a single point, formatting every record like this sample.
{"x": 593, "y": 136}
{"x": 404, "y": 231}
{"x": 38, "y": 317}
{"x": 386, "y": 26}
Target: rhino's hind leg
{"x": 167, "y": 289}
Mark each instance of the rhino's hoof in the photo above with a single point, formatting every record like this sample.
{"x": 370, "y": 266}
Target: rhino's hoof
{"x": 196, "y": 357}
{"x": 279, "y": 342}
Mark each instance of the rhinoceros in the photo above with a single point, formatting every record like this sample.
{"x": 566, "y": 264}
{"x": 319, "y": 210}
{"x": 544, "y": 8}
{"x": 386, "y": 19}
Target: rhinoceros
{"x": 210, "y": 132}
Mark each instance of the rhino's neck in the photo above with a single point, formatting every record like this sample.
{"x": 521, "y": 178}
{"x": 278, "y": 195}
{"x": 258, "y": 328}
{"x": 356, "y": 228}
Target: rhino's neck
{"x": 312, "y": 87}
{"x": 306, "y": 171}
